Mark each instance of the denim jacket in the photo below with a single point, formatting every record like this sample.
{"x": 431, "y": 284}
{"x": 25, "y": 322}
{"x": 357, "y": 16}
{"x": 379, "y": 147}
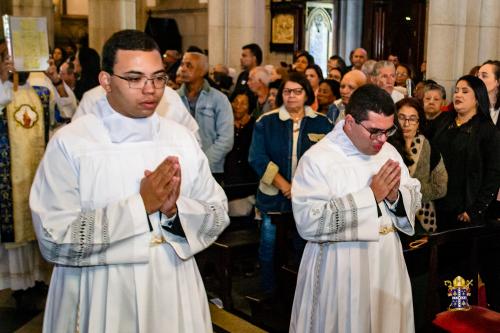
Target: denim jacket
{"x": 214, "y": 116}
{"x": 271, "y": 152}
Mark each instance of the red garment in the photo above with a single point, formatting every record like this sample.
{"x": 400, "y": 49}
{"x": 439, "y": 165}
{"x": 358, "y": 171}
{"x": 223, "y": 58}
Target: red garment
{"x": 476, "y": 320}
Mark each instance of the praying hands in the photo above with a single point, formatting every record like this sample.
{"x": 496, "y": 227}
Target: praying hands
{"x": 160, "y": 188}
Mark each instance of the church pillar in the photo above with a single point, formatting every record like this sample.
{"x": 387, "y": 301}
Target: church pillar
{"x": 232, "y": 24}
{"x": 107, "y": 17}
{"x": 461, "y": 35}
{"x": 36, "y": 8}
{"x": 350, "y": 17}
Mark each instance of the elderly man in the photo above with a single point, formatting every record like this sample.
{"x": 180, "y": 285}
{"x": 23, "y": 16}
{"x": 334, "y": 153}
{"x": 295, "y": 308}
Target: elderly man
{"x": 121, "y": 203}
{"x": 385, "y": 77}
{"x": 367, "y": 68}
{"x": 62, "y": 101}
{"x": 358, "y": 58}
{"x": 210, "y": 108}
{"x": 258, "y": 82}
{"x": 350, "y": 82}
{"x": 67, "y": 74}
{"x": 351, "y": 194}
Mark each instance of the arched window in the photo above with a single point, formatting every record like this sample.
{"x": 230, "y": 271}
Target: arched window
{"x": 319, "y": 33}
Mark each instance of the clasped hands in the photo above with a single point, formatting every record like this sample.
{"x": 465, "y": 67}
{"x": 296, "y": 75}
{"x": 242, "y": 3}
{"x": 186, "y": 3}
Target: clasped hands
{"x": 160, "y": 188}
{"x": 385, "y": 183}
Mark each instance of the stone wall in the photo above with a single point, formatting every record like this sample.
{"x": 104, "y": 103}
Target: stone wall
{"x": 461, "y": 35}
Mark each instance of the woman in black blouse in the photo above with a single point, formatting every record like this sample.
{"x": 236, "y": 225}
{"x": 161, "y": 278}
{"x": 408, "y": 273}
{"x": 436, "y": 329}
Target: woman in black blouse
{"x": 470, "y": 146}
{"x": 240, "y": 180}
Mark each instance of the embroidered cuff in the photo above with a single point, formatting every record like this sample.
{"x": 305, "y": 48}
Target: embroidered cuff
{"x": 271, "y": 172}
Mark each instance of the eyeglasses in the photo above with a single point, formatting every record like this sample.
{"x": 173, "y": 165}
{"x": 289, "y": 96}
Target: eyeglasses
{"x": 139, "y": 82}
{"x": 412, "y": 120}
{"x": 376, "y": 133}
{"x": 296, "y": 91}
{"x": 401, "y": 74}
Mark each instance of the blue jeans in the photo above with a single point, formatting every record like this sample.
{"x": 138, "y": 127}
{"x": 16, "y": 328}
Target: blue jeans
{"x": 266, "y": 253}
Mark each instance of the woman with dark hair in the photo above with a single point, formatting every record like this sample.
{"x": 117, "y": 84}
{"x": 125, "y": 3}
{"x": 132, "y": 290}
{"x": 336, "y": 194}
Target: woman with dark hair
{"x": 403, "y": 72}
{"x": 489, "y": 73}
{"x": 423, "y": 159}
{"x": 470, "y": 145}
{"x": 301, "y": 60}
{"x": 328, "y": 92}
{"x": 280, "y": 138}
{"x": 89, "y": 62}
{"x": 239, "y": 177}
{"x": 273, "y": 92}
{"x": 314, "y": 75}
{"x": 59, "y": 56}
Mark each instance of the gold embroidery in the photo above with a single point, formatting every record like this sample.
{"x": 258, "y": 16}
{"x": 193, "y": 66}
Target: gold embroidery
{"x": 315, "y": 137}
{"x": 157, "y": 240}
{"x": 386, "y": 229}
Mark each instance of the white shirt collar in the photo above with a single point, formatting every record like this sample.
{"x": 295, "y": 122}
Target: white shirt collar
{"x": 125, "y": 129}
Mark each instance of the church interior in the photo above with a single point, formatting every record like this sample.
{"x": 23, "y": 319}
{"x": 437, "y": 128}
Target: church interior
{"x": 434, "y": 41}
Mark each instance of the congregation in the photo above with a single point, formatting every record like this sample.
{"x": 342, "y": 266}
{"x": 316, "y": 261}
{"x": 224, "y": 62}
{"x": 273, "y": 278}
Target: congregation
{"x": 333, "y": 152}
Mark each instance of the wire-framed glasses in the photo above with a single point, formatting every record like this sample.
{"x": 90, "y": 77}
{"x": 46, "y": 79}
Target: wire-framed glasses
{"x": 139, "y": 82}
{"x": 289, "y": 91}
{"x": 412, "y": 120}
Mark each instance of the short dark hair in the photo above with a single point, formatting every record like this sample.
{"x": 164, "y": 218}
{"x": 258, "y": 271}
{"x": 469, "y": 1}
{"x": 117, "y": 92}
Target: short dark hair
{"x": 130, "y": 40}
{"x": 480, "y": 92}
{"x": 301, "y": 79}
{"x": 341, "y": 62}
{"x": 194, "y": 48}
{"x": 256, "y": 51}
{"x": 334, "y": 87}
{"x": 252, "y": 99}
{"x": 368, "y": 98}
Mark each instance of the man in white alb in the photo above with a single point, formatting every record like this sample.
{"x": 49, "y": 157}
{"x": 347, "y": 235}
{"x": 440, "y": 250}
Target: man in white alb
{"x": 121, "y": 202}
{"x": 350, "y": 194}
{"x": 170, "y": 106}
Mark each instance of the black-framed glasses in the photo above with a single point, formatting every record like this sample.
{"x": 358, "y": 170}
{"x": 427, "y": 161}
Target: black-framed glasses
{"x": 139, "y": 82}
{"x": 412, "y": 120}
{"x": 376, "y": 133}
{"x": 296, "y": 91}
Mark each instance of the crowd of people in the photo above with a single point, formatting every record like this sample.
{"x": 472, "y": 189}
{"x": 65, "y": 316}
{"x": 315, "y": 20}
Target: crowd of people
{"x": 287, "y": 141}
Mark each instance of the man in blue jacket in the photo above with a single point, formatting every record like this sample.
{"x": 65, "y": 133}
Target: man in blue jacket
{"x": 210, "y": 108}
